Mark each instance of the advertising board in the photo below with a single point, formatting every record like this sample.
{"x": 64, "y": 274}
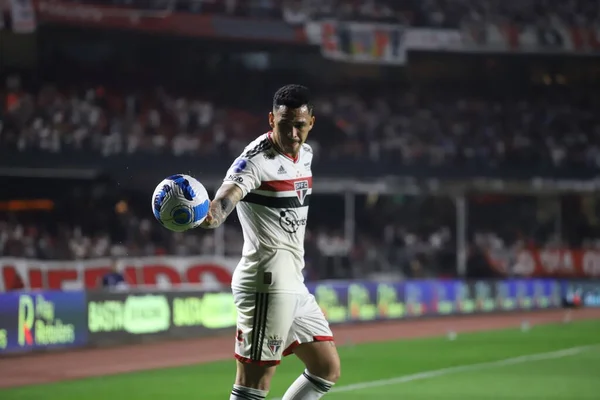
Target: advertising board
{"x": 123, "y": 317}
{"x": 582, "y": 293}
{"x": 372, "y": 301}
{"x": 42, "y": 320}
{"x": 51, "y": 319}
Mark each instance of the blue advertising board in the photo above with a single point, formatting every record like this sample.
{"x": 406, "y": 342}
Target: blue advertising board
{"x": 354, "y": 301}
{"x": 50, "y": 319}
{"x": 42, "y": 320}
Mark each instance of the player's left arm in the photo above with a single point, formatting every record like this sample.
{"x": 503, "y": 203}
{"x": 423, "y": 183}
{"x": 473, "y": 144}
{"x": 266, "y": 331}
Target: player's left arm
{"x": 222, "y": 205}
{"x": 242, "y": 177}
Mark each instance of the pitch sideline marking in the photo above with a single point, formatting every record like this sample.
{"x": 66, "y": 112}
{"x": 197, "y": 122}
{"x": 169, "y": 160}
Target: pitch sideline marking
{"x": 461, "y": 368}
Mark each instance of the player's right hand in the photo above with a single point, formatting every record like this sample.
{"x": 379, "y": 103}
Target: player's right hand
{"x": 208, "y": 220}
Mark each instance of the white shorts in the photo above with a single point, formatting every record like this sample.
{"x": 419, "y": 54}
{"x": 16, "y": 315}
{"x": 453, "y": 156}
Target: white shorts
{"x": 271, "y": 325}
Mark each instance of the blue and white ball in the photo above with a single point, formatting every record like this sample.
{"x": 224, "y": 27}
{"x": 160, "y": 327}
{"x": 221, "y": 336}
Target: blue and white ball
{"x": 180, "y": 203}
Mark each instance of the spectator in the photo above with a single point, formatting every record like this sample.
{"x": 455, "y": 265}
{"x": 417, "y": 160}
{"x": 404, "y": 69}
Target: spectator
{"x": 113, "y": 280}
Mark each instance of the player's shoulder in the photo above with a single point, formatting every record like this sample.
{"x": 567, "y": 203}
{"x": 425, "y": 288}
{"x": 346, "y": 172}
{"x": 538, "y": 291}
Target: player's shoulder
{"x": 260, "y": 146}
{"x": 307, "y": 153}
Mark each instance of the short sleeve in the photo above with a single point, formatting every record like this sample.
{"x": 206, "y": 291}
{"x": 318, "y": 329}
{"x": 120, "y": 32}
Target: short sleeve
{"x": 244, "y": 174}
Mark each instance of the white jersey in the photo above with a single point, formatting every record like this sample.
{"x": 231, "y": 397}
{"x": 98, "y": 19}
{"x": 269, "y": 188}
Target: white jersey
{"x": 273, "y": 214}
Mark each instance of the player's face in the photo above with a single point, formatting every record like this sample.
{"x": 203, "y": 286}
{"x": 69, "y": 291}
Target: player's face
{"x": 291, "y": 127}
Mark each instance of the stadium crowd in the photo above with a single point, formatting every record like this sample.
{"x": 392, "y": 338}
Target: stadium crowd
{"x": 409, "y": 126}
{"x": 428, "y": 13}
{"x": 407, "y": 236}
{"x": 128, "y": 231}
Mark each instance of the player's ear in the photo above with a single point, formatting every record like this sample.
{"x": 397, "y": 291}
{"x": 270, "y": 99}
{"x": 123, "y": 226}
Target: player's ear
{"x": 312, "y": 122}
{"x": 271, "y": 120}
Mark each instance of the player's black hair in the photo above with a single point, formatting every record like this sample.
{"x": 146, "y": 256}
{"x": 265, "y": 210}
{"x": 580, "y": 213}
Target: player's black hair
{"x": 293, "y": 96}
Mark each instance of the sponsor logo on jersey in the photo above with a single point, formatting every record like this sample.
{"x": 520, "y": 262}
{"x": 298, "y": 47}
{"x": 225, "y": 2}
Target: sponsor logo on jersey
{"x": 235, "y": 178}
{"x": 301, "y": 188}
{"x": 290, "y": 222}
{"x": 281, "y": 171}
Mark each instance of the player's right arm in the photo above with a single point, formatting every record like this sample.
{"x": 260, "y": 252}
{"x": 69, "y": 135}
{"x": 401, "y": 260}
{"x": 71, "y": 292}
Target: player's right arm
{"x": 242, "y": 177}
{"x": 222, "y": 205}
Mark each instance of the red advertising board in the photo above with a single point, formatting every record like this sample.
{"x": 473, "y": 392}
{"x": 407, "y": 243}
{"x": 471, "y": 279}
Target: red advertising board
{"x": 561, "y": 262}
{"x": 164, "y": 272}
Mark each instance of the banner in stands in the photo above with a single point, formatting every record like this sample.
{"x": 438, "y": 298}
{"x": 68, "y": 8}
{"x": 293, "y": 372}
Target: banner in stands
{"x": 567, "y": 263}
{"x": 359, "y": 42}
{"x": 428, "y": 39}
{"x": 42, "y": 320}
{"x": 483, "y": 37}
{"x": 22, "y": 16}
{"x": 540, "y": 38}
{"x": 162, "y": 272}
{"x": 127, "y": 317}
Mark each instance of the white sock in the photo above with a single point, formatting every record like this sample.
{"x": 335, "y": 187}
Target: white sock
{"x": 307, "y": 387}
{"x": 246, "y": 393}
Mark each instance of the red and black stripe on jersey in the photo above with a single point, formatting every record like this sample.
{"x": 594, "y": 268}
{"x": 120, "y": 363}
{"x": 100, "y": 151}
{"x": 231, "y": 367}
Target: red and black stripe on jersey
{"x": 288, "y": 185}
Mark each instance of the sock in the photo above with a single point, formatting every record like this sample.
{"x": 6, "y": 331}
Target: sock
{"x": 307, "y": 387}
{"x": 245, "y": 393}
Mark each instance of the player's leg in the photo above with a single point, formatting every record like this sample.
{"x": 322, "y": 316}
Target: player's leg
{"x": 263, "y": 321}
{"x": 313, "y": 344}
{"x": 252, "y": 381}
{"x": 322, "y": 371}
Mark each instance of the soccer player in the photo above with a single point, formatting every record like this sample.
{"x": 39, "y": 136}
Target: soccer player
{"x": 271, "y": 185}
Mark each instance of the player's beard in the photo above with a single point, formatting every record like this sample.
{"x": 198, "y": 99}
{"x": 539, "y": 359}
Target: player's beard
{"x": 295, "y": 147}
{"x": 290, "y": 146}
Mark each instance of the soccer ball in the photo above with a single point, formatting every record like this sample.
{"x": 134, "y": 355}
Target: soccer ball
{"x": 180, "y": 203}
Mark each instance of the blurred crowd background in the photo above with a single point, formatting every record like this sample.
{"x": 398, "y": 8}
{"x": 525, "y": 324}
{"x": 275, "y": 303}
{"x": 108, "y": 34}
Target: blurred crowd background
{"x": 118, "y": 96}
{"x": 408, "y": 125}
{"x": 428, "y": 13}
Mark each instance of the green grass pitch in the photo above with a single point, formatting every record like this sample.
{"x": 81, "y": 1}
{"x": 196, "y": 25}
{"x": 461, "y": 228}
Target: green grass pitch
{"x": 550, "y": 362}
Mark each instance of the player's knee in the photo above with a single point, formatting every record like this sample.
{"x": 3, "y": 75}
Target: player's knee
{"x": 330, "y": 370}
{"x": 334, "y": 372}
{"x": 255, "y": 376}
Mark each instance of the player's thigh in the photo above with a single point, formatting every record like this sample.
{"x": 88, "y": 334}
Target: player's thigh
{"x": 264, "y": 321}
{"x": 313, "y": 340}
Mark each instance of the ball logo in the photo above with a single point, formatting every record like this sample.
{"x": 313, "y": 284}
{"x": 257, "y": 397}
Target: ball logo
{"x": 181, "y": 215}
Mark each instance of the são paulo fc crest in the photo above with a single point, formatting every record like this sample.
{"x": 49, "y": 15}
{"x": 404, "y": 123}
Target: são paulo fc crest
{"x": 274, "y": 344}
{"x": 301, "y": 188}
